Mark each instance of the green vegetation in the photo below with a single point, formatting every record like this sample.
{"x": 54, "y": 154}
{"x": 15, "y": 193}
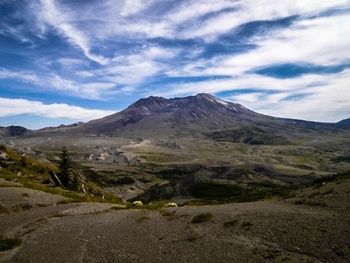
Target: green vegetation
{"x": 249, "y": 135}
{"x": 72, "y": 195}
{"x": 33, "y": 173}
{"x": 64, "y": 168}
{"x": 238, "y": 193}
{"x": 125, "y": 180}
{"x": 343, "y": 158}
{"x": 9, "y": 243}
{"x": 332, "y": 178}
{"x": 202, "y": 218}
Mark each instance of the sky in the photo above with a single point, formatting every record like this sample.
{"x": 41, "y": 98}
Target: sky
{"x": 64, "y": 61}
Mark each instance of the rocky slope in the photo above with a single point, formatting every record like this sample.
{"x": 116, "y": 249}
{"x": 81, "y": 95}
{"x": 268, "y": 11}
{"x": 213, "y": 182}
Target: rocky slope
{"x": 313, "y": 226}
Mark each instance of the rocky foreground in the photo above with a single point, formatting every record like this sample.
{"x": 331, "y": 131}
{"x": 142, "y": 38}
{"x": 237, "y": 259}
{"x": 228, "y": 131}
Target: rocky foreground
{"x": 313, "y": 226}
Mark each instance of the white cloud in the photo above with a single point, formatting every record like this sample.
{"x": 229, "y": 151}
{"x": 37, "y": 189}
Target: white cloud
{"x": 253, "y": 10}
{"x": 84, "y": 73}
{"x": 13, "y": 107}
{"x": 133, "y": 19}
{"x": 131, "y": 7}
{"x": 305, "y": 42}
{"x": 155, "y": 52}
{"x": 91, "y": 90}
{"x": 317, "y": 97}
{"x": 134, "y": 68}
{"x": 190, "y": 10}
{"x": 51, "y": 15}
{"x": 95, "y": 28}
{"x": 71, "y": 62}
{"x": 249, "y": 81}
{"x": 321, "y": 41}
{"x": 327, "y": 103}
{"x": 26, "y": 77}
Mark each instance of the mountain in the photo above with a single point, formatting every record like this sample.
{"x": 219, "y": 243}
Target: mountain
{"x": 198, "y": 115}
{"x": 13, "y": 131}
{"x": 202, "y": 115}
{"x": 345, "y": 124}
{"x": 160, "y": 116}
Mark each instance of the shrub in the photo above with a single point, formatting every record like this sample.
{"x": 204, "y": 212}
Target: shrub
{"x": 299, "y": 201}
{"x": 202, "y": 218}
{"x": 125, "y": 180}
{"x": 238, "y": 193}
{"x": 9, "y": 243}
{"x": 232, "y": 223}
{"x": 247, "y": 225}
{"x": 170, "y": 215}
{"x": 3, "y": 210}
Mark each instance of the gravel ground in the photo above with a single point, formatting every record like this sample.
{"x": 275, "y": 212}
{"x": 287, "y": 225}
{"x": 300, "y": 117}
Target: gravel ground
{"x": 267, "y": 231}
{"x": 23, "y": 198}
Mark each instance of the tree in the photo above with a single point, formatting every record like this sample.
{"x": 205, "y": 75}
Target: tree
{"x": 75, "y": 182}
{"x": 64, "y": 167}
{"x": 23, "y": 161}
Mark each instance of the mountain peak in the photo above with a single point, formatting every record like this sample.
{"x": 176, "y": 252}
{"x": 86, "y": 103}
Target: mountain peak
{"x": 148, "y": 101}
{"x": 204, "y": 96}
{"x": 150, "y": 104}
{"x": 212, "y": 99}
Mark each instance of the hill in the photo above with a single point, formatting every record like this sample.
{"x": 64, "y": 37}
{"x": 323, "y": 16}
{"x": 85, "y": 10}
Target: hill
{"x": 12, "y": 131}
{"x": 344, "y": 124}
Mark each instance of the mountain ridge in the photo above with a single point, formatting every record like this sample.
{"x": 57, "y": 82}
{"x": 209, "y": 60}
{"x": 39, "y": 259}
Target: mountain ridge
{"x": 187, "y": 116}
{"x": 180, "y": 116}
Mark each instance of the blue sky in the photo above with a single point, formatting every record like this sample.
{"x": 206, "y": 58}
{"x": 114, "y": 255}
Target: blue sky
{"x": 65, "y": 61}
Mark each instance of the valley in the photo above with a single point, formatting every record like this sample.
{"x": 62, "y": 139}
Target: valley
{"x": 174, "y": 144}
{"x": 257, "y": 178}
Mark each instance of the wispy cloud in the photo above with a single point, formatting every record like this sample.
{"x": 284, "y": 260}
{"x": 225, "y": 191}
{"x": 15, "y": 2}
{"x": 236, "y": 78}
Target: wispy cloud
{"x": 91, "y": 90}
{"x": 52, "y": 15}
{"x": 304, "y": 42}
{"x": 328, "y": 102}
{"x": 136, "y": 67}
{"x": 12, "y": 107}
{"x": 310, "y": 97}
{"x": 117, "y": 51}
{"x": 255, "y": 10}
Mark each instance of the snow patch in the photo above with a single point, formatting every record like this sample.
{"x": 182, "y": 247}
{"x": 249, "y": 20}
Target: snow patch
{"x": 221, "y": 102}
{"x": 233, "y": 108}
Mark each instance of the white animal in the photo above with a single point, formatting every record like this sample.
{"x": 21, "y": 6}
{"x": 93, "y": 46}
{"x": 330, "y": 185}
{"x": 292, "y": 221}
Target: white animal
{"x": 137, "y": 204}
{"x": 171, "y": 205}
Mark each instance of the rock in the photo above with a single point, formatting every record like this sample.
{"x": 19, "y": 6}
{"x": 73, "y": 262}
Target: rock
{"x": 3, "y": 156}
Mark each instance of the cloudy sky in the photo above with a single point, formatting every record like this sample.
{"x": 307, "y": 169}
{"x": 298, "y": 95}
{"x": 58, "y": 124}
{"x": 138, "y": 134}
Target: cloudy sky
{"x": 74, "y": 60}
